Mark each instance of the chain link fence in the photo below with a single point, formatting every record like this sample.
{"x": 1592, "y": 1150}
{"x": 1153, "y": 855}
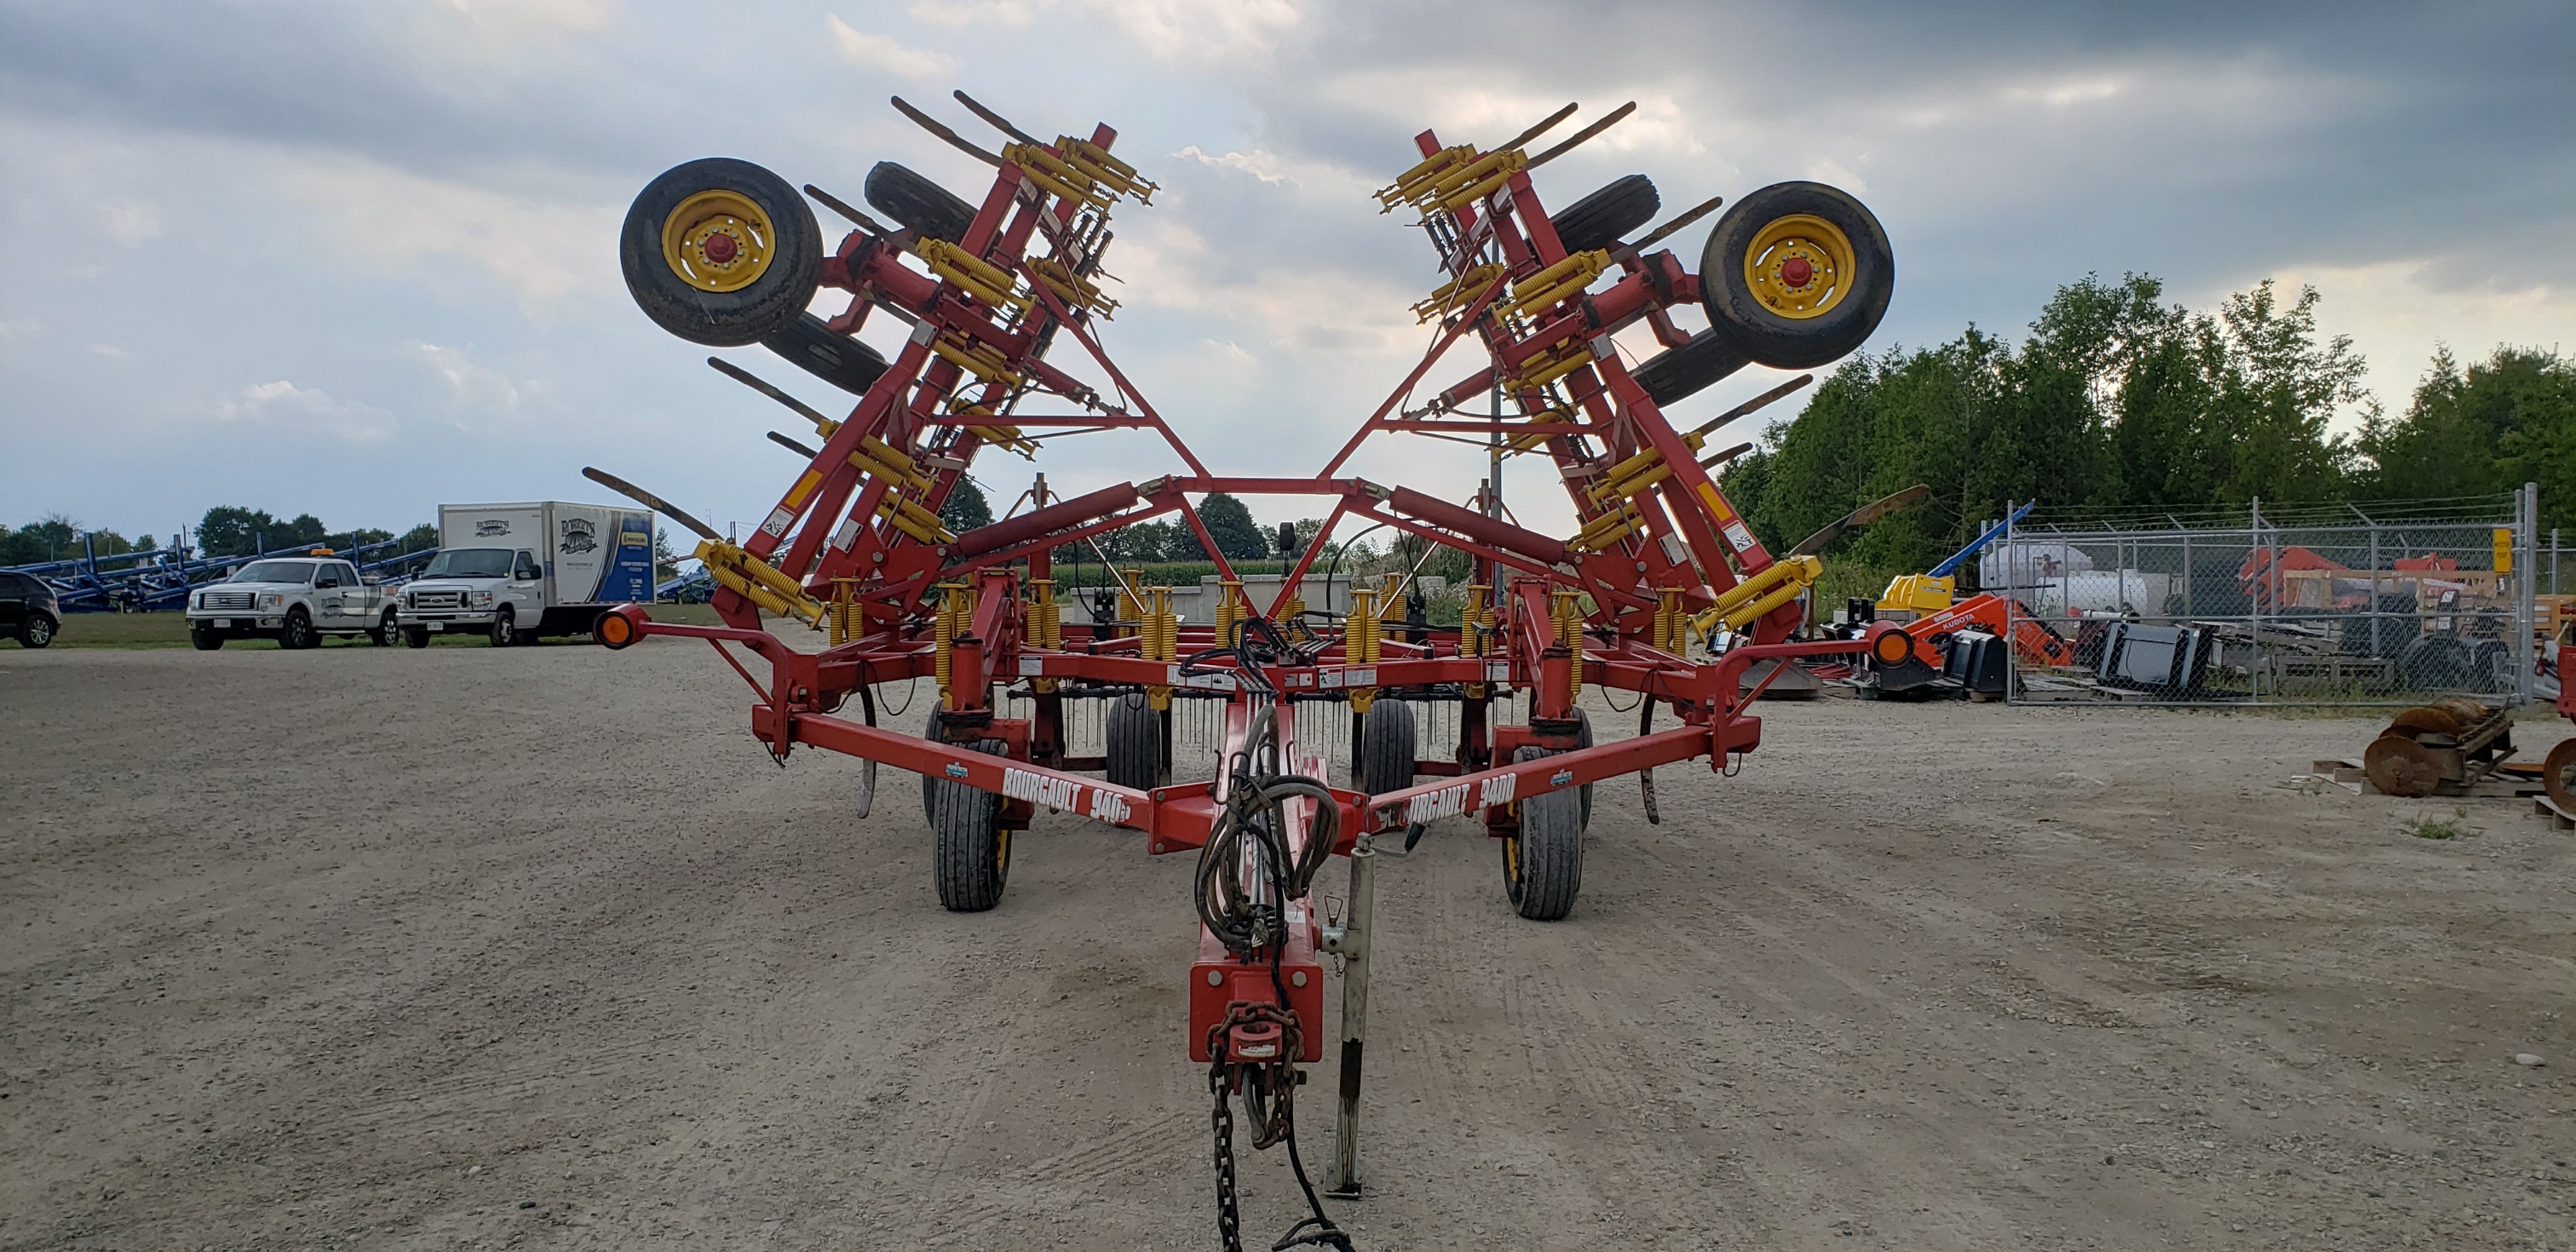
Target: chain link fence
{"x": 2349, "y": 605}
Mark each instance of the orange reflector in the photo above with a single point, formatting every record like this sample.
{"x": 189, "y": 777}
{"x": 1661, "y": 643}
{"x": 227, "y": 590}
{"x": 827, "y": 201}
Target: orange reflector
{"x": 1891, "y": 647}
{"x": 615, "y": 631}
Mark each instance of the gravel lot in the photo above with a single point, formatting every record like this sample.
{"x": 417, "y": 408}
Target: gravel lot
{"x": 391, "y": 949}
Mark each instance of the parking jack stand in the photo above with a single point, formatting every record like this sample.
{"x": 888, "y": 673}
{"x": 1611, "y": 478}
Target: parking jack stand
{"x": 1352, "y": 943}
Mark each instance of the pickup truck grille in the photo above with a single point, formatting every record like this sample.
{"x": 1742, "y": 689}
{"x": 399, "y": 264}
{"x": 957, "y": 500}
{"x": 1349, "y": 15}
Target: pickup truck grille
{"x": 435, "y": 599}
{"x": 231, "y": 601}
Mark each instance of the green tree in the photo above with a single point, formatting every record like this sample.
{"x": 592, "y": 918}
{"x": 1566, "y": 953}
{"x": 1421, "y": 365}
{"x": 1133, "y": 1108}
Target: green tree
{"x": 229, "y": 530}
{"x": 304, "y": 530}
{"x": 2483, "y": 430}
{"x": 666, "y": 563}
{"x": 2115, "y": 398}
{"x": 966, "y": 508}
{"x": 1229, "y": 523}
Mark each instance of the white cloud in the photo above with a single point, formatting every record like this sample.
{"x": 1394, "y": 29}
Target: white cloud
{"x": 991, "y": 14}
{"x": 19, "y": 328}
{"x": 2397, "y": 310}
{"x": 130, "y": 222}
{"x": 540, "y": 250}
{"x": 282, "y": 404}
{"x": 884, "y": 54}
{"x": 106, "y": 349}
{"x": 1201, "y": 30}
{"x": 1260, "y": 164}
{"x": 513, "y": 22}
{"x": 469, "y": 385}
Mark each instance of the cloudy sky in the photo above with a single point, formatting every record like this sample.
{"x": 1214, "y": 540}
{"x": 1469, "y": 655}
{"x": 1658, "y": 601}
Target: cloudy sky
{"x": 359, "y": 258}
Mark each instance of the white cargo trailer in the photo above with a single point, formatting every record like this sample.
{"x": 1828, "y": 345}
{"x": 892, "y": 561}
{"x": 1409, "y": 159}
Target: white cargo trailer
{"x": 517, "y": 572}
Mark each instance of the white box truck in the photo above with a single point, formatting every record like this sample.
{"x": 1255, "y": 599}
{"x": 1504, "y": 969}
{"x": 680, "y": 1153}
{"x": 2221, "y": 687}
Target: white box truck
{"x": 518, "y": 572}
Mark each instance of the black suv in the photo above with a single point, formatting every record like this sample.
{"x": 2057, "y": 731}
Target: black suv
{"x": 29, "y": 613}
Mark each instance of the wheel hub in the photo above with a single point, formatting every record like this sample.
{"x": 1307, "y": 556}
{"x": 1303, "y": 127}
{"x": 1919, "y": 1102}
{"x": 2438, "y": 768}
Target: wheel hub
{"x": 1799, "y": 266}
{"x": 717, "y": 241}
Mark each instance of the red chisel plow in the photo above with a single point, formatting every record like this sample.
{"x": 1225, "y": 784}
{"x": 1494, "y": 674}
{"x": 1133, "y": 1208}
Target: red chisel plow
{"x": 1662, "y": 591}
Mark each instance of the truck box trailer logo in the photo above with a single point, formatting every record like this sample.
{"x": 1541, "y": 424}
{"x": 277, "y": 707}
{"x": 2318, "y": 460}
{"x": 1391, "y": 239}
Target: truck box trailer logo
{"x": 579, "y": 535}
{"x": 491, "y": 527}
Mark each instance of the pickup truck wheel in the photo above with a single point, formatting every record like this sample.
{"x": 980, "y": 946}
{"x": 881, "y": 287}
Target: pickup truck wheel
{"x": 298, "y": 633}
{"x": 972, "y": 859}
{"x": 504, "y": 628}
{"x": 416, "y": 637}
{"x": 384, "y": 634}
{"x": 205, "y": 638}
{"x": 37, "y": 631}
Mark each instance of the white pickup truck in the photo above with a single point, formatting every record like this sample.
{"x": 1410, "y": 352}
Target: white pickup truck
{"x": 293, "y": 600}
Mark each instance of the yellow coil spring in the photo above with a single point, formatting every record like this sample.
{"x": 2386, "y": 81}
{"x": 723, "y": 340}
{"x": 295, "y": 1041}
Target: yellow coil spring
{"x": 1231, "y": 609}
{"x": 1359, "y": 628}
{"x": 1043, "y": 626}
{"x": 1130, "y": 609}
{"x": 1162, "y": 641}
{"x": 1162, "y": 626}
{"x": 1569, "y": 633}
{"x": 956, "y": 610}
{"x": 845, "y": 611}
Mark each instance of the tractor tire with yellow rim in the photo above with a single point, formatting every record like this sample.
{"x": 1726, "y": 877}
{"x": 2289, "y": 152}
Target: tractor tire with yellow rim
{"x": 1543, "y": 858}
{"x": 972, "y": 854}
{"x": 1796, "y": 275}
{"x": 923, "y": 207}
{"x": 720, "y": 252}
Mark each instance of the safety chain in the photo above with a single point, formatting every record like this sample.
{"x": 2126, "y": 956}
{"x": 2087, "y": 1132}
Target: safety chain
{"x": 1229, "y": 1219}
{"x": 1278, "y": 1124}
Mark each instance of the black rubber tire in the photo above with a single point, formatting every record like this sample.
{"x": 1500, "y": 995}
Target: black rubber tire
{"x": 1543, "y": 860}
{"x": 972, "y": 853}
{"x": 205, "y": 639}
{"x": 1386, "y": 748}
{"x": 724, "y": 319}
{"x": 930, "y": 210}
{"x": 1793, "y": 343}
{"x": 386, "y": 632}
{"x": 415, "y": 636}
{"x": 505, "y": 627}
{"x": 1604, "y": 217}
{"x": 298, "y": 633}
{"x": 1676, "y": 374}
{"x": 1583, "y": 739}
{"x": 809, "y": 344}
{"x": 38, "y": 631}
{"x": 1135, "y": 743}
{"x": 930, "y": 782}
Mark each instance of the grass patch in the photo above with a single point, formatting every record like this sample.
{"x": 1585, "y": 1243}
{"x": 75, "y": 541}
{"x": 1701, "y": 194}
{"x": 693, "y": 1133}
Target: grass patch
{"x": 2437, "y": 828}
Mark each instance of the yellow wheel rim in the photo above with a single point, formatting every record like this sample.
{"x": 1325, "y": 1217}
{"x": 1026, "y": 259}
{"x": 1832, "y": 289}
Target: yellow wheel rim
{"x": 1512, "y": 858}
{"x": 1799, "y": 266}
{"x": 1001, "y": 848}
{"x": 717, "y": 241}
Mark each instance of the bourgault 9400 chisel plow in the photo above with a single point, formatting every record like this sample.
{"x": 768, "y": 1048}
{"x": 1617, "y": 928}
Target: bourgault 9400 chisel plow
{"x": 1662, "y": 591}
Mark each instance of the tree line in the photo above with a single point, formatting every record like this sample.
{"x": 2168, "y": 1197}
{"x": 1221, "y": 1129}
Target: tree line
{"x": 2118, "y": 400}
